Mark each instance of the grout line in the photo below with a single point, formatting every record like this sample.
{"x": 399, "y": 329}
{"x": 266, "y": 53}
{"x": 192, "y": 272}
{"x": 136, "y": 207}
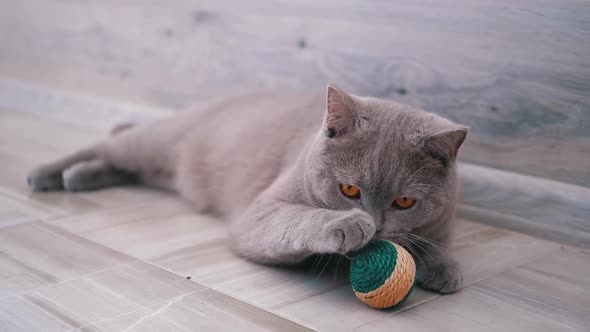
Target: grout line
{"x": 232, "y": 296}
{"x": 262, "y": 308}
{"x": 40, "y": 209}
{"x": 133, "y": 259}
{"x": 215, "y": 289}
{"x": 55, "y": 304}
{"x": 156, "y": 312}
{"x": 141, "y": 308}
{"x": 92, "y": 272}
{"x": 80, "y": 276}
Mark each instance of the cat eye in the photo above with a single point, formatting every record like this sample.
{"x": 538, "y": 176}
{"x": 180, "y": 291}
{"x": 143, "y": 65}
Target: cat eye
{"x": 403, "y": 203}
{"x": 350, "y": 191}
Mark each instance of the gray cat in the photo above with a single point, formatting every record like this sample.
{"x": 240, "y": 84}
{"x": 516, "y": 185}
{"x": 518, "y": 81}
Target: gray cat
{"x": 294, "y": 177}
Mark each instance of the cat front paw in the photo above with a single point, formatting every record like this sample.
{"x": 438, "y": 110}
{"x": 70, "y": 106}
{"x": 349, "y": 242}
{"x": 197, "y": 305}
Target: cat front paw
{"x": 443, "y": 278}
{"x": 350, "y": 232}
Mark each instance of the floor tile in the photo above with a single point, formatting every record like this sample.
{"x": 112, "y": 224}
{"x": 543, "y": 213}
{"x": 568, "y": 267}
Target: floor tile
{"x": 17, "y": 314}
{"x": 209, "y": 310}
{"x": 142, "y": 283}
{"x": 82, "y": 301}
{"x": 35, "y": 254}
{"x": 141, "y": 320}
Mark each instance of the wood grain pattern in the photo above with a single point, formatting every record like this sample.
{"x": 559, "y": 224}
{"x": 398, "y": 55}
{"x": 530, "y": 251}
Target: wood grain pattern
{"x": 37, "y": 254}
{"x": 517, "y": 74}
{"x": 20, "y": 315}
{"x": 14, "y": 212}
{"x": 564, "y": 275}
{"x": 111, "y": 293}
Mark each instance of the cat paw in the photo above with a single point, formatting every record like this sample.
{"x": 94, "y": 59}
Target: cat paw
{"x": 79, "y": 177}
{"x": 45, "y": 179}
{"x": 350, "y": 232}
{"x": 443, "y": 278}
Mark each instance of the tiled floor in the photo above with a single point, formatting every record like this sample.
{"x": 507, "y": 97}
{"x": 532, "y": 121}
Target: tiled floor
{"x": 120, "y": 260}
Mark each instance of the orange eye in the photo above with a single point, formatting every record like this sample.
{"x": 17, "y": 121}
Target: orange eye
{"x": 403, "y": 203}
{"x": 350, "y": 191}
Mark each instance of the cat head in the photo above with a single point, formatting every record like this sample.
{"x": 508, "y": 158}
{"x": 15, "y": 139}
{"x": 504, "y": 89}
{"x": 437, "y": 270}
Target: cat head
{"x": 393, "y": 161}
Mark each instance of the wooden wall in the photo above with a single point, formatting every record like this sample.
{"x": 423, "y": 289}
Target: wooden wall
{"x": 517, "y": 72}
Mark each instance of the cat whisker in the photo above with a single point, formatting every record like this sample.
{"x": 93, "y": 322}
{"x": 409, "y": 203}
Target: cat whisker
{"x": 430, "y": 242}
{"x": 317, "y": 262}
{"x": 431, "y": 257}
{"x": 337, "y": 270}
{"x": 324, "y": 267}
{"x": 421, "y": 238}
{"x": 409, "y": 247}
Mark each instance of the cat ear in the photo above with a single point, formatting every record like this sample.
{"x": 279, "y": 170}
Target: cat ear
{"x": 340, "y": 117}
{"x": 445, "y": 144}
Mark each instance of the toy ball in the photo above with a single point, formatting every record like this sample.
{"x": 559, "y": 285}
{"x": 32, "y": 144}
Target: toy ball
{"x": 382, "y": 274}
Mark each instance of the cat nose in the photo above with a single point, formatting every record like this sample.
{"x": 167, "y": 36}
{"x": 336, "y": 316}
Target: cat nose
{"x": 374, "y": 211}
{"x": 378, "y": 217}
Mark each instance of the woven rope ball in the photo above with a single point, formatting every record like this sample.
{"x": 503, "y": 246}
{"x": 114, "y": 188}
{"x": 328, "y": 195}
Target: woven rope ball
{"x": 383, "y": 274}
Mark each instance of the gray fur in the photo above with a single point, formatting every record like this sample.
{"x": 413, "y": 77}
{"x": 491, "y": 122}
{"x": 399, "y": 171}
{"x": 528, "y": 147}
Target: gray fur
{"x": 271, "y": 166}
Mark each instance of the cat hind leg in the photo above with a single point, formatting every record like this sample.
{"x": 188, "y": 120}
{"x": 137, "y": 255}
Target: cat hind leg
{"x": 49, "y": 177}
{"x": 86, "y": 169}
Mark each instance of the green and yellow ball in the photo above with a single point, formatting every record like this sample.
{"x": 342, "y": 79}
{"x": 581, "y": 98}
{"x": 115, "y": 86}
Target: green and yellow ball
{"x": 383, "y": 274}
